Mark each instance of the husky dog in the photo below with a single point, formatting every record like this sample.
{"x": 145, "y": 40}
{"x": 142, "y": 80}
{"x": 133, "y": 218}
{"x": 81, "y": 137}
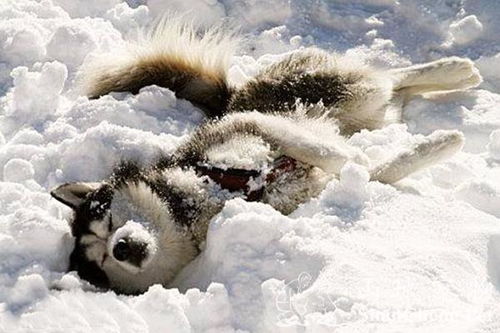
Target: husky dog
{"x": 279, "y": 139}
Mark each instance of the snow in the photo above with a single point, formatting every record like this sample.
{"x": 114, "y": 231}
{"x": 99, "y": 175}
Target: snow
{"x": 494, "y": 145}
{"x": 16, "y": 170}
{"x": 466, "y": 30}
{"x": 420, "y": 256}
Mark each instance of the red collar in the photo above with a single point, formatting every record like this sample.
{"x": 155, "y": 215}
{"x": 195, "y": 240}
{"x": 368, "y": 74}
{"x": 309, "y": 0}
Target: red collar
{"x": 251, "y": 182}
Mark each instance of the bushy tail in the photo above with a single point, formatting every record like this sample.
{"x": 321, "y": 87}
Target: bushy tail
{"x": 434, "y": 148}
{"x": 175, "y": 55}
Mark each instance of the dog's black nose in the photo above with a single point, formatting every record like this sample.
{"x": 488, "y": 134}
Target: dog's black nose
{"x": 121, "y": 251}
{"x": 130, "y": 250}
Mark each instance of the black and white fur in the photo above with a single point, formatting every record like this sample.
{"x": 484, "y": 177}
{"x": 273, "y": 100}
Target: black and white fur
{"x": 142, "y": 226}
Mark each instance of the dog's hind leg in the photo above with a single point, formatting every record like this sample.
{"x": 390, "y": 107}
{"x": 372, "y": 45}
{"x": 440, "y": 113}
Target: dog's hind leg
{"x": 452, "y": 73}
{"x": 434, "y": 148}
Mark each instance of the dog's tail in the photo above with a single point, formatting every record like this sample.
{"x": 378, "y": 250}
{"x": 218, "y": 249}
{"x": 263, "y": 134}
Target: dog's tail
{"x": 175, "y": 55}
{"x": 439, "y": 145}
{"x": 451, "y": 73}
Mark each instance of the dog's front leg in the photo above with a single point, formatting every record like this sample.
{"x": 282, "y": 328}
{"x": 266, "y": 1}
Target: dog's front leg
{"x": 311, "y": 141}
{"x": 305, "y": 140}
{"x": 330, "y": 157}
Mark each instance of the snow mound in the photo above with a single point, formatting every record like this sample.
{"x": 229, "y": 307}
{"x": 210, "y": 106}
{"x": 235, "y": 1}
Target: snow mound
{"x": 421, "y": 256}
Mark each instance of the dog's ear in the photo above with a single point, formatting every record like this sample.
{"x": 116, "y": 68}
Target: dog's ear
{"x": 73, "y": 194}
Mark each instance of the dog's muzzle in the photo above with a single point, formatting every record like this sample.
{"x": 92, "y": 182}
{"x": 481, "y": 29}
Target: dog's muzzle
{"x": 133, "y": 251}
{"x": 132, "y": 246}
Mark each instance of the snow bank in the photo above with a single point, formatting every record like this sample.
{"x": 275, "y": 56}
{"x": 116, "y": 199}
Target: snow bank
{"x": 421, "y": 256}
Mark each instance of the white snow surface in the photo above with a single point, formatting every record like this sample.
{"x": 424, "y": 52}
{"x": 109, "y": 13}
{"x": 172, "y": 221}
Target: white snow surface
{"x": 421, "y": 256}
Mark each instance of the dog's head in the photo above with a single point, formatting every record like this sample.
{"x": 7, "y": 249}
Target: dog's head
{"x": 127, "y": 233}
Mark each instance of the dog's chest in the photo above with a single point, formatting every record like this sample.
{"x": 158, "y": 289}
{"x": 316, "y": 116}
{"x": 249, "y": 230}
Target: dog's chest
{"x": 241, "y": 152}
{"x": 250, "y": 166}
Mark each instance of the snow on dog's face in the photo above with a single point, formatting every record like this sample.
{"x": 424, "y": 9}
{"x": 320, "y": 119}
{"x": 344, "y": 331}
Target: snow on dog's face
{"x": 125, "y": 237}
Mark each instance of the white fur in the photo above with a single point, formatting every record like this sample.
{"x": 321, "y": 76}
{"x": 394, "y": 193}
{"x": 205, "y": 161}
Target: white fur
{"x": 241, "y": 152}
{"x": 367, "y": 109}
{"x": 173, "y": 37}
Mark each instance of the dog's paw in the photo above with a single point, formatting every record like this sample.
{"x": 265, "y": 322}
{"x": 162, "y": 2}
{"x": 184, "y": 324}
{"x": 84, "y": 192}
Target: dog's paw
{"x": 441, "y": 140}
{"x": 456, "y": 73}
{"x": 472, "y": 81}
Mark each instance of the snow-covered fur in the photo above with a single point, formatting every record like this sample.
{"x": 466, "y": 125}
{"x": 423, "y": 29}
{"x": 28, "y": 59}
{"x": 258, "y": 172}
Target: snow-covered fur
{"x": 142, "y": 226}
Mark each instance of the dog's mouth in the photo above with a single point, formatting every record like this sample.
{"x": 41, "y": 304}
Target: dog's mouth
{"x": 104, "y": 257}
{"x": 251, "y": 182}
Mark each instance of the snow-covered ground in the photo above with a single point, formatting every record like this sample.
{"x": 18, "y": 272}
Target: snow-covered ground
{"x": 422, "y": 256}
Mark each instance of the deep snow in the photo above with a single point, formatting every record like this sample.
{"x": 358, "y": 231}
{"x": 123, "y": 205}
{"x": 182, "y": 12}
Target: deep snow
{"x": 422, "y": 256}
